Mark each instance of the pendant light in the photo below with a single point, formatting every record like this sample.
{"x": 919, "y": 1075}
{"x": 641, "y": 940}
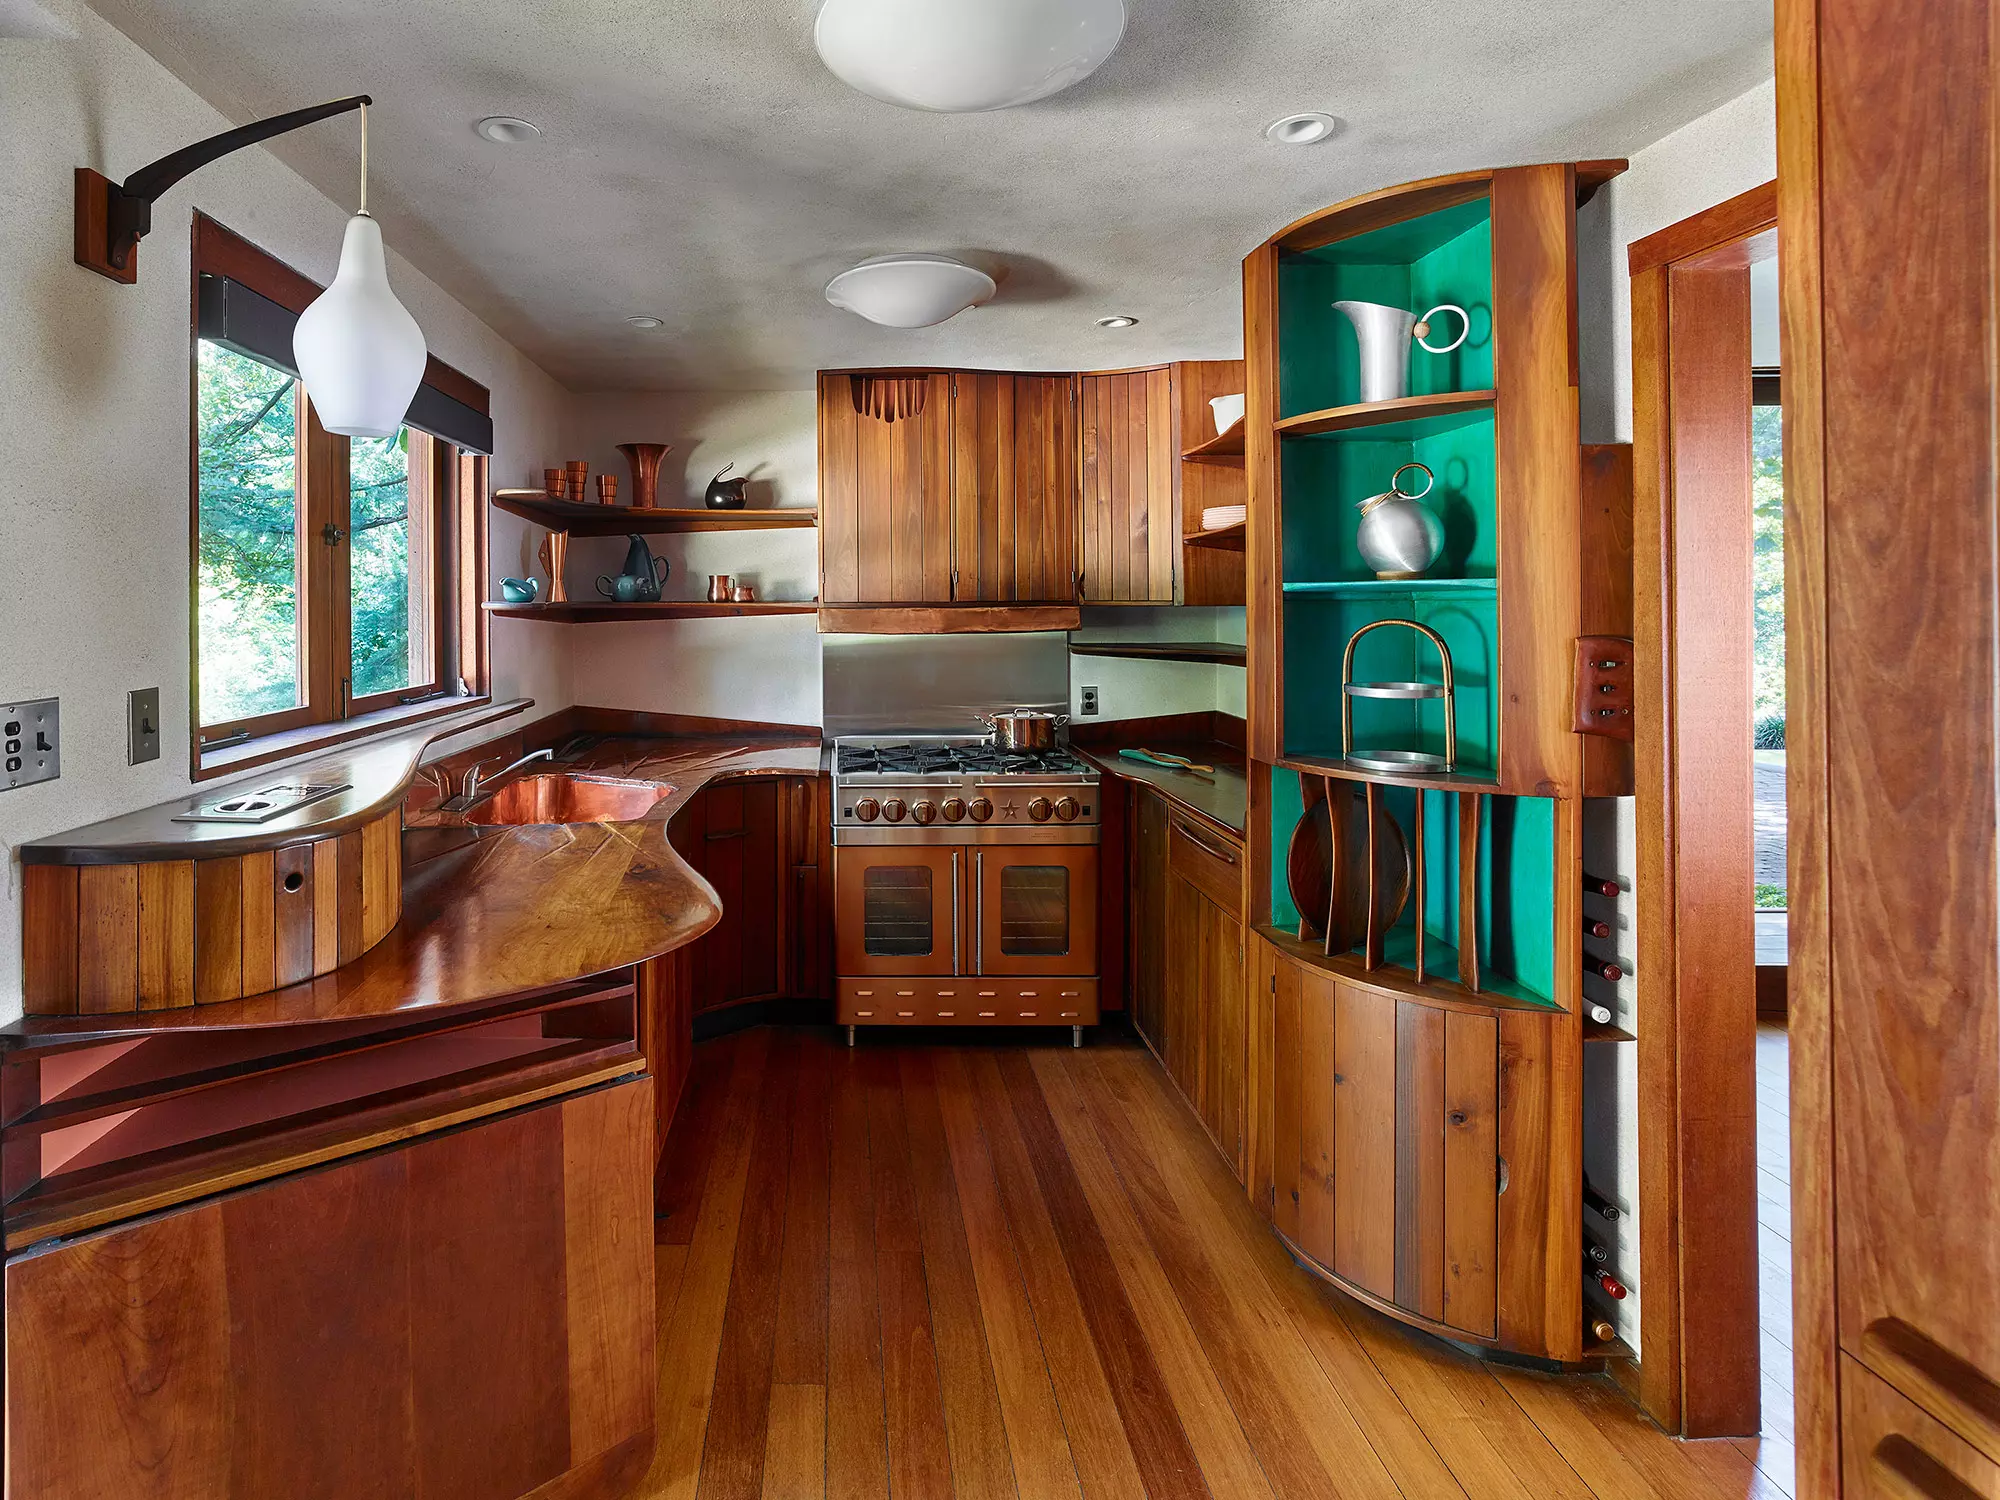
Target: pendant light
{"x": 962, "y": 55}
{"x": 359, "y": 352}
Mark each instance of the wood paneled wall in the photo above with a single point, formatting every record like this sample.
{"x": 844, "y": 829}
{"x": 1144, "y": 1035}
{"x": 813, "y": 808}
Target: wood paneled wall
{"x": 470, "y": 1316}
{"x": 105, "y": 939}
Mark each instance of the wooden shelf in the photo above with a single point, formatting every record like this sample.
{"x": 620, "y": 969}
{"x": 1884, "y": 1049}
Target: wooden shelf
{"x": 1607, "y": 1349}
{"x": 1381, "y": 413}
{"x": 1223, "y": 448}
{"x": 1220, "y": 653}
{"x": 1439, "y": 987}
{"x": 1599, "y": 1031}
{"x": 1333, "y": 765}
{"x": 1363, "y": 587}
{"x": 584, "y": 612}
{"x": 616, "y": 520}
{"x": 1224, "y": 538}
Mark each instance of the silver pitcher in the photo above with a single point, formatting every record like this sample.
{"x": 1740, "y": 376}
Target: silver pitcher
{"x": 1384, "y": 334}
{"x": 1399, "y": 535}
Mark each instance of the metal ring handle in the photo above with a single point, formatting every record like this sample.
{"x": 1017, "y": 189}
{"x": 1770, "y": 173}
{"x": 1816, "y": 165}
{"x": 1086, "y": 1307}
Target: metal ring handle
{"x": 1424, "y": 327}
{"x": 1396, "y": 481}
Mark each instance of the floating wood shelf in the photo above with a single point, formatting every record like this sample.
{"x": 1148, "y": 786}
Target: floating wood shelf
{"x": 1607, "y": 1349}
{"x": 1224, "y": 538}
{"x": 1362, "y": 587}
{"x": 615, "y": 520}
{"x": 1381, "y": 413}
{"x": 585, "y": 612}
{"x": 1599, "y": 1031}
{"x": 1220, "y": 653}
{"x": 1223, "y": 448}
{"x": 1333, "y": 765}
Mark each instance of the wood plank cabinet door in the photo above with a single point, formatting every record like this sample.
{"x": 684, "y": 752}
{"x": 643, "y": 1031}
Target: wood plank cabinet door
{"x": 885, "y": 490}
{"x": 1219, "y": 1095}
{"x": 1013, "y": 458}
{"x": 1128, "y": 464}
{"x": 730, "y": 834}
{"x": 467, "y": 1315}
{"x": 1148, "y": 882}
{"x": 1891, "y": 1449}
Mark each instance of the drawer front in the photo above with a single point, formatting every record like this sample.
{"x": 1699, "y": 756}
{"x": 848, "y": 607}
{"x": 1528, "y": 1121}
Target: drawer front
{"x": 1891, "y": 1450}
{"x": 1208, "y": 861}
{"x": 926, "y": 1001}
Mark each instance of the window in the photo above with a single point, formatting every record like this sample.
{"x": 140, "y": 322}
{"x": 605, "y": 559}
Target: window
{"x": 327, "y": 570}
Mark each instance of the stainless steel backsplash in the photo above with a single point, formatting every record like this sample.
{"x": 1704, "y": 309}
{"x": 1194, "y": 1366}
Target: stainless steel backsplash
{"x": 938, "y": 684}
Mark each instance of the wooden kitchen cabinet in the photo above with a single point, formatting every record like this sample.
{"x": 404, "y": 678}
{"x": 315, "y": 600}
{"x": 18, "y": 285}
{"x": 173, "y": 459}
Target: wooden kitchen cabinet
{"x": 885, "y": 490}
{"x": 1128, "y": 461}
{"x": 1147, "y": 915}
{"x": 1013, "y": 451}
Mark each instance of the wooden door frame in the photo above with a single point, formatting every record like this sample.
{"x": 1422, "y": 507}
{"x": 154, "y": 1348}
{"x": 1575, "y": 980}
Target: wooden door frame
{"x": 1698, "y": 1369}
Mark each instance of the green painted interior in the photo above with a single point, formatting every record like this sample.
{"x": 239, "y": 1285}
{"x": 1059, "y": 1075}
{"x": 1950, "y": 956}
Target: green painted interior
{"x": 1446, "y": 256}
{"x": 1287, "y": 806}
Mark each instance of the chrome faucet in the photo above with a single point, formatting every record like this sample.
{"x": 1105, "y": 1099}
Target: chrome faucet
{"x": 470, "y": 788}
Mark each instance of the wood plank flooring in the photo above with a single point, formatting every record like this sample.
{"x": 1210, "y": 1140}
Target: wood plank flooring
{"x": 1773, "y": 1450}
{"x": 927, "y": 1271}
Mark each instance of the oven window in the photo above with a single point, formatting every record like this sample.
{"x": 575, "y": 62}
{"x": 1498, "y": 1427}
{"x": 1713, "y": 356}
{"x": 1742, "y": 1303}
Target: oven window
{"x": 896, "y": 911}
{"x": 1034, "y": 910}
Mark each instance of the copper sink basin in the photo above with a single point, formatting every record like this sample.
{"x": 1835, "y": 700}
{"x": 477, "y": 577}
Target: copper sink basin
{"x": 555, "y": 797}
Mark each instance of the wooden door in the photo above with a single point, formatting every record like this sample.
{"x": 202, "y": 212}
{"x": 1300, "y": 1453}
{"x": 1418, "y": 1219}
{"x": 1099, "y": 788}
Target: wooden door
{"x": 1013, "y": 488}
{"x": 1148, "y": 883}
{"x": 885, "y": 490}
{"x": 1034, "y": 909}
{"x": 1364, "y": 1139}
{"x": 1222, "y": 1028}
{"x": 1302, "y": 1128}
{"x": 730, "y": 834}
{"x": 806, "y": 833}
{"x": 467, "y": 1315}
{"x": 1125, "y": 429}
{"x": 896, "y": 910}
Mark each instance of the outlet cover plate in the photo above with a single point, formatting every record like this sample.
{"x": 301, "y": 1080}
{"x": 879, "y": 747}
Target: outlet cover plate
{"x": 30, "y": 742}
{"x": 142, "y": 725}
{"x": 1089, "y": 701}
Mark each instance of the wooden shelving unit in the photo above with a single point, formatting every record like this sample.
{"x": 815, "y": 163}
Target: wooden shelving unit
{"x": 1599, "y": 1031}
{"x": 598, "y": 612}
{"x": 1228, "y": 538}
{"x": 1223, "y": 448}
{"x": 1383, "y": 413}
{"x": 616, "y": 520}
{"x": 1216, "y": 653}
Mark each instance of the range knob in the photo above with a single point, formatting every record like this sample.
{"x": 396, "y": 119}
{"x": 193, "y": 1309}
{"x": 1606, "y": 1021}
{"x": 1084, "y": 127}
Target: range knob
{"x": 1039, "y": 809}
{"x": 866, "y": 809}
{"x": 923, "y": 812}
{"x": 981, "y": 809}
{"x": 1066, "y": 809}
{"x": 893, "y": 809}
{"x": 953, "y": 809}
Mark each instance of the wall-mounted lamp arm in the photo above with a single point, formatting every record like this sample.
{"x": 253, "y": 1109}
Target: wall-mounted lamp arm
{"x": 112, "y": 217}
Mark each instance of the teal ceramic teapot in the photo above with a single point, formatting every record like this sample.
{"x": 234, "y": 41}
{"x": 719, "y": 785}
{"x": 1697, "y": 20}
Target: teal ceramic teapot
{"x": 640, "y": 579}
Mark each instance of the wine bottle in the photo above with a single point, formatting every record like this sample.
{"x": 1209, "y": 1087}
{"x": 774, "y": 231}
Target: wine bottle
{"x": 1603, "y": 1330}
{"x": 1596, "y": 1253}
{"x": 1602, "y": 969}
{"x": 1613, "y": 1287}
{"x": 1600, "y": 1205}
{"x": 1594, "y": 928}
{"x": 1597, "y": 885}
{"x": 1601, "y": 1014}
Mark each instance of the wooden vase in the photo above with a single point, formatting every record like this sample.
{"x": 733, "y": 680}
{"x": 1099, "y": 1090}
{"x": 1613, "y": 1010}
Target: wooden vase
{"x": 645, "y": 461}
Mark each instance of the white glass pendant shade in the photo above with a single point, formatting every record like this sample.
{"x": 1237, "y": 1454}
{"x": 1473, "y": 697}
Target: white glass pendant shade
{"x": 910, "y": 291}
{"x": 962, "y": 55}
{"x": 359, "y": 352}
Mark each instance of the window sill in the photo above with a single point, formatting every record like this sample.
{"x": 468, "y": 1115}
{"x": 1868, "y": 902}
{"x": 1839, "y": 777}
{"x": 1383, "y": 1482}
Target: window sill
{"x": 287, "y": 744}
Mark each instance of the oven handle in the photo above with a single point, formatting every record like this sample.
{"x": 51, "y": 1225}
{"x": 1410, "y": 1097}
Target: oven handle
{"x": 955, "y": 919}
{"x": 979, "y": 911}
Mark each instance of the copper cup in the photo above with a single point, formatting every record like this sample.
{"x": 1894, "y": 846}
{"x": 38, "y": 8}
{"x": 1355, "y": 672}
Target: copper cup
{"x": 554, "y": 484}
{"x": 743, "y": 593}
{"x": 578, "y": 472}
{"x": 607, "y": 489}
{"x": 719, "y": 588}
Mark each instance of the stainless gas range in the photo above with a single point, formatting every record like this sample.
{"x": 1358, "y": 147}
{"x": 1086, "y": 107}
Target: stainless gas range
{"x": 966, "y": 884}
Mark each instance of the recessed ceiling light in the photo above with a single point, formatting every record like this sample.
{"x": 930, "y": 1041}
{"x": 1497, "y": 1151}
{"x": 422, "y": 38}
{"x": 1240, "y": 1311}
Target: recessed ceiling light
{"x": 505, "y": 130}
{"x": 1117, "y": 320}
{"x": 646, "y": 321}
{"x": 1301, "y": 130}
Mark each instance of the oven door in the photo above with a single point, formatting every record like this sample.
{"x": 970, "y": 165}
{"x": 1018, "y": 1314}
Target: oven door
{"x": 896, "y": 909}
{"x": 1034, "y": 909}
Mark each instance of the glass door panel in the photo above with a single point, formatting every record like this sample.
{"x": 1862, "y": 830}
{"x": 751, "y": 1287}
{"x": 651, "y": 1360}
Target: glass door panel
{"x": 1037, "y": 910}
{"x": 897, "y": 910}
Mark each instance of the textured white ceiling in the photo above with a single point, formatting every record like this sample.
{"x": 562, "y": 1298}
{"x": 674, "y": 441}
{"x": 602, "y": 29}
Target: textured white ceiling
{"x": 699, "y": 163}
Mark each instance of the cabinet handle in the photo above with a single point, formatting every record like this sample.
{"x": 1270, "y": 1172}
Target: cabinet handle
{"x": 1203, "y": 844}
{"x": 1907, "y": 1472}
{"x": 1961, "y": 1393}
{"x": 727, "y": 833}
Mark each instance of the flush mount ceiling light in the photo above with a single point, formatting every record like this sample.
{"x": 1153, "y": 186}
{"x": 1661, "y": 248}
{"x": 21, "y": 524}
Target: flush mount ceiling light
{"x": 646, "y": 322}
{"x": 356, "y": 349}
{"x": 910, "y": 291}
{"x": 958, "y": 56}
{"x": 1301, "y": 130}
{"x": 1118, "y": 320}
{"x": 506, "y": 130}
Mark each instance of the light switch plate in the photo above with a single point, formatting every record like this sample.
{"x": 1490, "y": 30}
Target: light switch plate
{"x": 30, "y": 742}
{"x": 142, "y": 725}
{"x": 1089, "y": 700}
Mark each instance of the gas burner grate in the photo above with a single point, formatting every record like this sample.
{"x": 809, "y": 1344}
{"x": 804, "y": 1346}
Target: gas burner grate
{"x": 980, "y": 759}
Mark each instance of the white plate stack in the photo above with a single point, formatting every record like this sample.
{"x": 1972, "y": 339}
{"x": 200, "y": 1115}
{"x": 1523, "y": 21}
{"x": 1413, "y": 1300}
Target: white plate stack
{"x": 1215, "y": 517}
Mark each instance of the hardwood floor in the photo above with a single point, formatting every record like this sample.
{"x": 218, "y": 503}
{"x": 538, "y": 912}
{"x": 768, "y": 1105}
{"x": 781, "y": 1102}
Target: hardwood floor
{"x": 1773, "y": 1451}
{"x": 995, "y": 1270}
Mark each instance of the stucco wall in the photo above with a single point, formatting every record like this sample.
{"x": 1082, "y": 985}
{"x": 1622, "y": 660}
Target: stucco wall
{"x": 94, "y": 422}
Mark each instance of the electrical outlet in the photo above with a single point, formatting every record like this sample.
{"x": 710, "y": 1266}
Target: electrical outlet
{"x": 142, "y": 725}
{"x": 1089, "y": 698}
{"x": 30, "y": 742}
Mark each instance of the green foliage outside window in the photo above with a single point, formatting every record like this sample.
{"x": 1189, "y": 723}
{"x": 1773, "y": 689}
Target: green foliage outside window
{"x": 379, "y": 562}
{"x": 1767, "y": 563}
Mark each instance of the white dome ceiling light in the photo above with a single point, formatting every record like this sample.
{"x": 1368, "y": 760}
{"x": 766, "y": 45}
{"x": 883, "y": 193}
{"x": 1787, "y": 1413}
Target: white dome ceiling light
{"x": 958, "y": 56}
{"x": 910, "y": 291}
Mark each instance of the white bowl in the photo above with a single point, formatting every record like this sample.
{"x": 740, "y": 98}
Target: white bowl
{"x": 1228, "y": 412}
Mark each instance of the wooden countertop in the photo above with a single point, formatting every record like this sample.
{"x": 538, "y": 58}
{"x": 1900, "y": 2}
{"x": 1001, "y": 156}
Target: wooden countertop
{"x": 1223, "y": 801}
{"x": 489, "y": 912}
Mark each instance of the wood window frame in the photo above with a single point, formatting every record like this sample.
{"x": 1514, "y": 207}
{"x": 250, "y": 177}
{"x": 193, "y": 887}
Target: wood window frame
{"x": 453, "y": 482}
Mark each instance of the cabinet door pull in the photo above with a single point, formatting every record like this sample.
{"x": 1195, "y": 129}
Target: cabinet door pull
{"x": 1956, "y": 1389}
{"x": 1907, "y": 1472}
{"x": 1203, "y": 844}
